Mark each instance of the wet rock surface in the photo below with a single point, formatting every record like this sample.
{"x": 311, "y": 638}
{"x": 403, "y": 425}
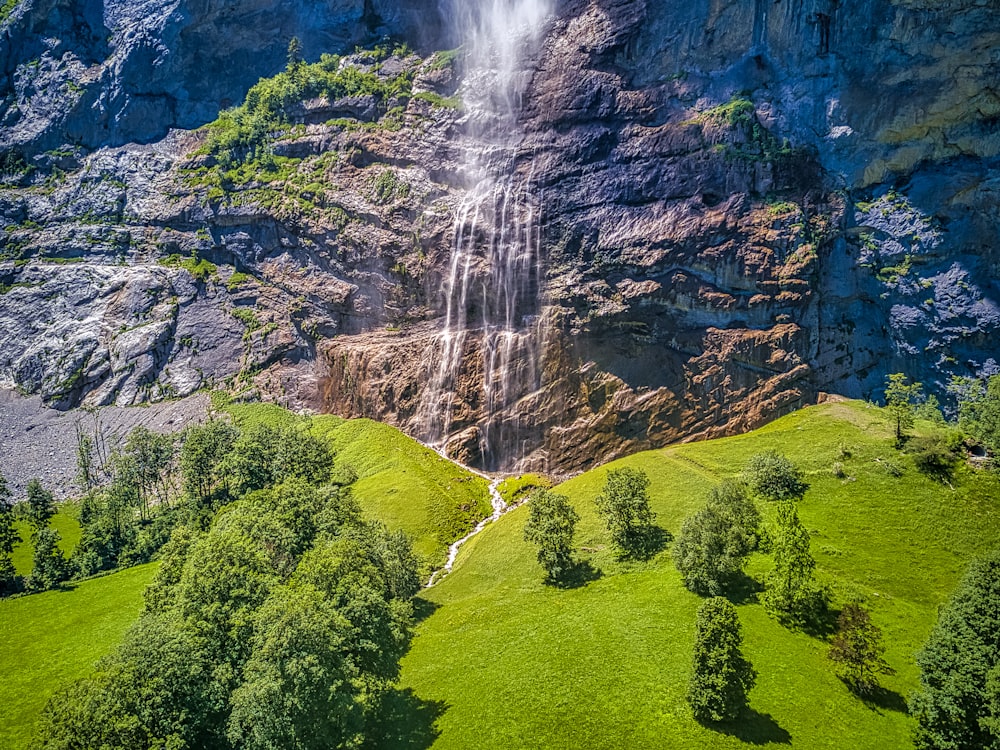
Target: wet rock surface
{"x": 741, "y": 205}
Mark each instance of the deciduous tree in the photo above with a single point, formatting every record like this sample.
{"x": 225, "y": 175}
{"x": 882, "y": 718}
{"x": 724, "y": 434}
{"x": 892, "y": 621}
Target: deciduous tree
{"x": 714, "y": 543}
{"x": 624, "y": 506}
{"x": 901, "y": 399}
{"x": 550, "y": 525}
{"x": 858, "y": 649}
{"x": 722, "y": 676}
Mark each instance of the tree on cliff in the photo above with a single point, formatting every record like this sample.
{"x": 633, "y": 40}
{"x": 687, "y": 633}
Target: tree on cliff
{"x": 722, "y": 676}
{"x": 714, "y": 543}
{"x": 901, "y": 399}
{"x": 550, "y": 525}
{"x": 958, "y": 703}
{"x": 624, "y": 506}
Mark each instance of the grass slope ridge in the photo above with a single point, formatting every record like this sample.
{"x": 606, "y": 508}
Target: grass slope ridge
{"x": 400, "y": 482}
{"x": 57, "y": 636}
{"x": 504, "y": 661}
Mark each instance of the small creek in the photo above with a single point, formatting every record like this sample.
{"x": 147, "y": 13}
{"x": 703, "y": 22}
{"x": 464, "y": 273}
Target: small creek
{"x": 500, "y": 507}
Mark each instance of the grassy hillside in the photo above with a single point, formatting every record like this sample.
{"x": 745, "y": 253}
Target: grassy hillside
{"x": 503, "y": 661}
{"x": 53, "y": 638}
{"x": 400, "y": 482}
{"x": 64, "y": 521}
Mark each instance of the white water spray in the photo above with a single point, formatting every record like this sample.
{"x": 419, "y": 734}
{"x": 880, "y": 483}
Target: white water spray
{"x": 491, "y": 288}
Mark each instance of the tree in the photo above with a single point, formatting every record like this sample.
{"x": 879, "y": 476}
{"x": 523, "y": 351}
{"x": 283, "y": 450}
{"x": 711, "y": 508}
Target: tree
{"x": 979, "y": 411}
{"x": 49, "y": 567}
{"x": 9, "y": 582}
{"x": 774, "y": 477}
{"x": 294, "y": 53}
{"x": 791, "y": 592}
{"x": 857, "y": 649}
{"x": 957, "y": 704}
{"x": 41, "y": 505}
{"x": 624, "y": 506}
{"x": 901, "y": 399}
{"x": 714, "y": 543}
{"x": 202, "y": 451}
{"x": 143, "y": 461}
{"x": 722, "y": 676}
{"x": 550, "y": 525}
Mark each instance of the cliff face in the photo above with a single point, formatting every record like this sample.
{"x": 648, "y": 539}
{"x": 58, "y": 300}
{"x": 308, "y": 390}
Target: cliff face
{"x": 741, "y": 205}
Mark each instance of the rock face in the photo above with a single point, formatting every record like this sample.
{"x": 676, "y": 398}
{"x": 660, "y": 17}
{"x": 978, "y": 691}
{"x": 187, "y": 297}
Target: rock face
{"x": 742, "y": 204}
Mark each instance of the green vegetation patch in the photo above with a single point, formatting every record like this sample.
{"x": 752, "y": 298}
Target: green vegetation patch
{"x": 57, "y": 636}
{"x": 400, "y": 482}
{"x": 504, "y": 660}
{"x": 64, "y": 521}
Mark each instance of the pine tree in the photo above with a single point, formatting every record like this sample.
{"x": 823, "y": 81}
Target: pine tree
{"x": 9, "y": 582}
{"x": 722, "y": 676}
{"x": 41, "y": 505}
{"x": 857, "y": 648}
{"x": 791, "y": 593}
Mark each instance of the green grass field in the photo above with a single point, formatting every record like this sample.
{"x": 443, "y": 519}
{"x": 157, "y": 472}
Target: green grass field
{"x": 64, "y": 521}
{"x": 52, "y": 638}
{"x": 503, "y": 661}
{"x": 400, "y": 482}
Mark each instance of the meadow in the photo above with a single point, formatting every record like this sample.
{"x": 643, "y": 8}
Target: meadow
{"x": 503, "y": 660}
{"x": 52, "y": 638}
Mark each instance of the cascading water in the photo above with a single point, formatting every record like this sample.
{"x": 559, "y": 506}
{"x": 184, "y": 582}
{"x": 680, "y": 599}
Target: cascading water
{"x": 491, "y": 289}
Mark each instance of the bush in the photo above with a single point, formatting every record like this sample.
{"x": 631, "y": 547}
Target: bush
{"x": 774, "y": 477}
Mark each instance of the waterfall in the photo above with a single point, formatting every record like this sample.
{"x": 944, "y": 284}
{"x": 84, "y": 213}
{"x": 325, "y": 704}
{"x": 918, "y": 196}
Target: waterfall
{"x": 491, "y": 287}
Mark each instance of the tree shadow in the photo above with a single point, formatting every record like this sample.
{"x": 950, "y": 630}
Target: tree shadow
{"x": 647, "y": 545}
{"x": 405, "y": 721}
{"x": 882, "y": 699}
{"x": 742, "y": 589}
{"x": 821, "y": 622}
{"x": 423, "y": 608}
{"x": 754, "y": 728}
{"x": 578, "y": 575}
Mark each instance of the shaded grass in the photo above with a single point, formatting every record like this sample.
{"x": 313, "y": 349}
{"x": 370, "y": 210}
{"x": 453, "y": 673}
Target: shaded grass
{"x": 606, "y": 664}
{"x": 52, "y": 638}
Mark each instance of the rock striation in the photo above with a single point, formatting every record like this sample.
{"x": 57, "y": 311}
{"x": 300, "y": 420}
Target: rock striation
{"x": 743, "y": 204}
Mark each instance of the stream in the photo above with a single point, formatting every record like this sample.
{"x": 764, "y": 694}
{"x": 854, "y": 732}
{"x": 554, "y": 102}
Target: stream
{"x": 499, "y": 509}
